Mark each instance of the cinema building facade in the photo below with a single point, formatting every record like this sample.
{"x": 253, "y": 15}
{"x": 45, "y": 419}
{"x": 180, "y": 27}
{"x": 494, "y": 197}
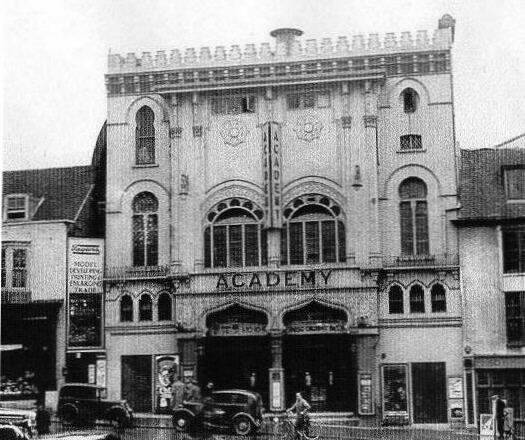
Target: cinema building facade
{"x": 280, "y": 220}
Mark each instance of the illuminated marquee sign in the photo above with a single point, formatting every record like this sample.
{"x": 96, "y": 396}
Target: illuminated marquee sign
{"x": 272, "y": 174}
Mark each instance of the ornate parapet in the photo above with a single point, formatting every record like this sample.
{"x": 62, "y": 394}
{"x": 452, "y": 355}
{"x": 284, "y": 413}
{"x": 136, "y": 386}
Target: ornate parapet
{"x": 289, "y": 60}
{"x": 220, "y": 56}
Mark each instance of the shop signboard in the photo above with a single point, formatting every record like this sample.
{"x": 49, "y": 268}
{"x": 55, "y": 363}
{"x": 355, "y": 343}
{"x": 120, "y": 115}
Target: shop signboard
{"x": 365, "y": 396}
{"x": 167, "y": 368}
{"x": 85, "y": 292}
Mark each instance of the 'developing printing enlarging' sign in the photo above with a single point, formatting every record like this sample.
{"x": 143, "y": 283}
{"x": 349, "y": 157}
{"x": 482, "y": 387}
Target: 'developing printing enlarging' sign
{"x": 85, "y": 292}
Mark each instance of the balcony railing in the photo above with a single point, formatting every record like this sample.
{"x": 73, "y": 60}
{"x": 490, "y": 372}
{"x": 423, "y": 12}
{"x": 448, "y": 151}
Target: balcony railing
{"x": 436, "y": 260}
{"x": 135, "y": 272}
{"x": 15, "y": 296}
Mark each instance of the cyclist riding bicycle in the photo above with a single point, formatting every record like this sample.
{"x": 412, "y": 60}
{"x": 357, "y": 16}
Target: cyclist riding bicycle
{"x": 300, "y": 408}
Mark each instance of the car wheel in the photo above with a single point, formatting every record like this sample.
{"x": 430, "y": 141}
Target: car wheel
{"x": 70, "y": 415}
{"x": 181, "y": 422}
{"x": 242, "y": 425}
{"x": 119, "y": 420}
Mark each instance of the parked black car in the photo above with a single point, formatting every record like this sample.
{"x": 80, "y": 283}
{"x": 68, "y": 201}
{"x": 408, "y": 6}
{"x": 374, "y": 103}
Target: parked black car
{"x": 80, "y": 403}
{"x": 238, "y": 410}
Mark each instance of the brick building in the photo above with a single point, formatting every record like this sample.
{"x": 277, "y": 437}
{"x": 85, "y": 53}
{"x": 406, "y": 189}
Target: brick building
{"x": 43, "y": 210}
{"x": 280, "y": 219}
{"x": 491, "y": 227}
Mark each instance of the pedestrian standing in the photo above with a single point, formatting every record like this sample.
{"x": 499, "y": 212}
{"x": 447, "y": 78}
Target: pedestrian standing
{"x": 500, "y": 415}
{"x": 177, "y": 390}
{"x": 43, "y": 419}
{"x": 208, "y": 389}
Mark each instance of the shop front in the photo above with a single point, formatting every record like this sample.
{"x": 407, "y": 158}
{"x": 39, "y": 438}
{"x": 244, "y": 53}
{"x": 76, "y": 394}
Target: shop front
{"x": 28, "y": 350}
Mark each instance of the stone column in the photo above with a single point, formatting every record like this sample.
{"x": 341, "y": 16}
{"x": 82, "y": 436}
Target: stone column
{"x": 369, "y": 171}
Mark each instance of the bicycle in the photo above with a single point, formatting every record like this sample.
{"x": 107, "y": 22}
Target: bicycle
{"x": 286, "y": 429}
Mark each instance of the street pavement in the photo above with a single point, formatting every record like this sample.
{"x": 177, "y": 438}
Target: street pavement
{"x": 269, "y": 431}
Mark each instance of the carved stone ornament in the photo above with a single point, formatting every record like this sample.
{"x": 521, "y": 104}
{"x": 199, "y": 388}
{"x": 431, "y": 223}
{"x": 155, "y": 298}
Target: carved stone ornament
{"x": 308, "y": 128}
{"x": 184, "y": 184}
{"x": 197, "y": 130}
{"x": 175, "y": 132}
{"x": 233, "y": 132}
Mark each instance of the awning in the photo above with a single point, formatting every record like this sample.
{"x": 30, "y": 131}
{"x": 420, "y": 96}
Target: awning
{"x": 11, "y": 347}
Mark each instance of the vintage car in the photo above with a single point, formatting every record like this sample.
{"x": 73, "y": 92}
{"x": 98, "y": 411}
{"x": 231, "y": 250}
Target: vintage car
{"x": 80, "y": 403}
{"x": 12, "y": 432}
{"x": 24, "y": 419}
{"x": 238, "y": 410}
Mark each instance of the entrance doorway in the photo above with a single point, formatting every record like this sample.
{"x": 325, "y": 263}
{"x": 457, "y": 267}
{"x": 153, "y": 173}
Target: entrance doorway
{"x": 323, "y": 368}
{"x": 238, "y": 362}
{"x": 318, "y": 359}
{"x": 136, "y": 382}
{"x": 429, "y": 392}
{"x": 237, "y": 350}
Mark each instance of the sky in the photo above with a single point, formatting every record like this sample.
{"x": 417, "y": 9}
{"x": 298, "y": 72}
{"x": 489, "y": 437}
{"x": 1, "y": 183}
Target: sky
{"x": 54, "y": 58}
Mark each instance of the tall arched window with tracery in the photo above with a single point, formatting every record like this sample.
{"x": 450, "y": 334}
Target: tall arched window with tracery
{"x": 234, "y": 236}
{"x": 145, "y": 136}
{"x": 413, "y": 213}
{"x": 313, "y": 231}
{"x": 145, "y": 230}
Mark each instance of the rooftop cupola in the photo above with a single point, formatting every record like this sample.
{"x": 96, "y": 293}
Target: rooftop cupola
{"x": 284, "y": 38}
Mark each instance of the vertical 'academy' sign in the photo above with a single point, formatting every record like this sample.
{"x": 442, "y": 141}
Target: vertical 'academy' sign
{"x": 85, "y": 292}
{"x": 272, "y": 174}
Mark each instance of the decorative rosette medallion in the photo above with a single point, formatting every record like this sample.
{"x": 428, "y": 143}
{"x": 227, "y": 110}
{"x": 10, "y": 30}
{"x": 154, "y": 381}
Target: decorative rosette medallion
{"x": 308, "y": 128}
{"x": 233, "y": 132}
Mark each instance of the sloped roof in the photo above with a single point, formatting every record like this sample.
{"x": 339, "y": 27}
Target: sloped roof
{"x": 481, "y": 182}
{"x": 63, "y": 189}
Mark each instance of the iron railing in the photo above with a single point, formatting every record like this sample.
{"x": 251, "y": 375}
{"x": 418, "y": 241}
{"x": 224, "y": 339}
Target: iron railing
{"x": 434, "y": 260}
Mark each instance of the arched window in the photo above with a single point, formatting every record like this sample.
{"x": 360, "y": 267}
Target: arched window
{"x": 410, "y": 100}
{"x": 413, "y": 214}
{"x": 145, "y": 308}
{"x": 145, "y": 136}
{"x": 145, "y": 230}
{"x": 438, "y": 298}
{"x": 313, "y": 232}
{"x": 164, "y": 306}
{"x": 126, "y": 309}
{"x": 395, "y": 299}
{"x": 417, "y": 299}
{"x": 234, "y": 236}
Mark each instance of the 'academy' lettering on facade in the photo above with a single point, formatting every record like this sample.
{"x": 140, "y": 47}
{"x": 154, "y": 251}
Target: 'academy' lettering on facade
{"x": 301, "y": 278}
